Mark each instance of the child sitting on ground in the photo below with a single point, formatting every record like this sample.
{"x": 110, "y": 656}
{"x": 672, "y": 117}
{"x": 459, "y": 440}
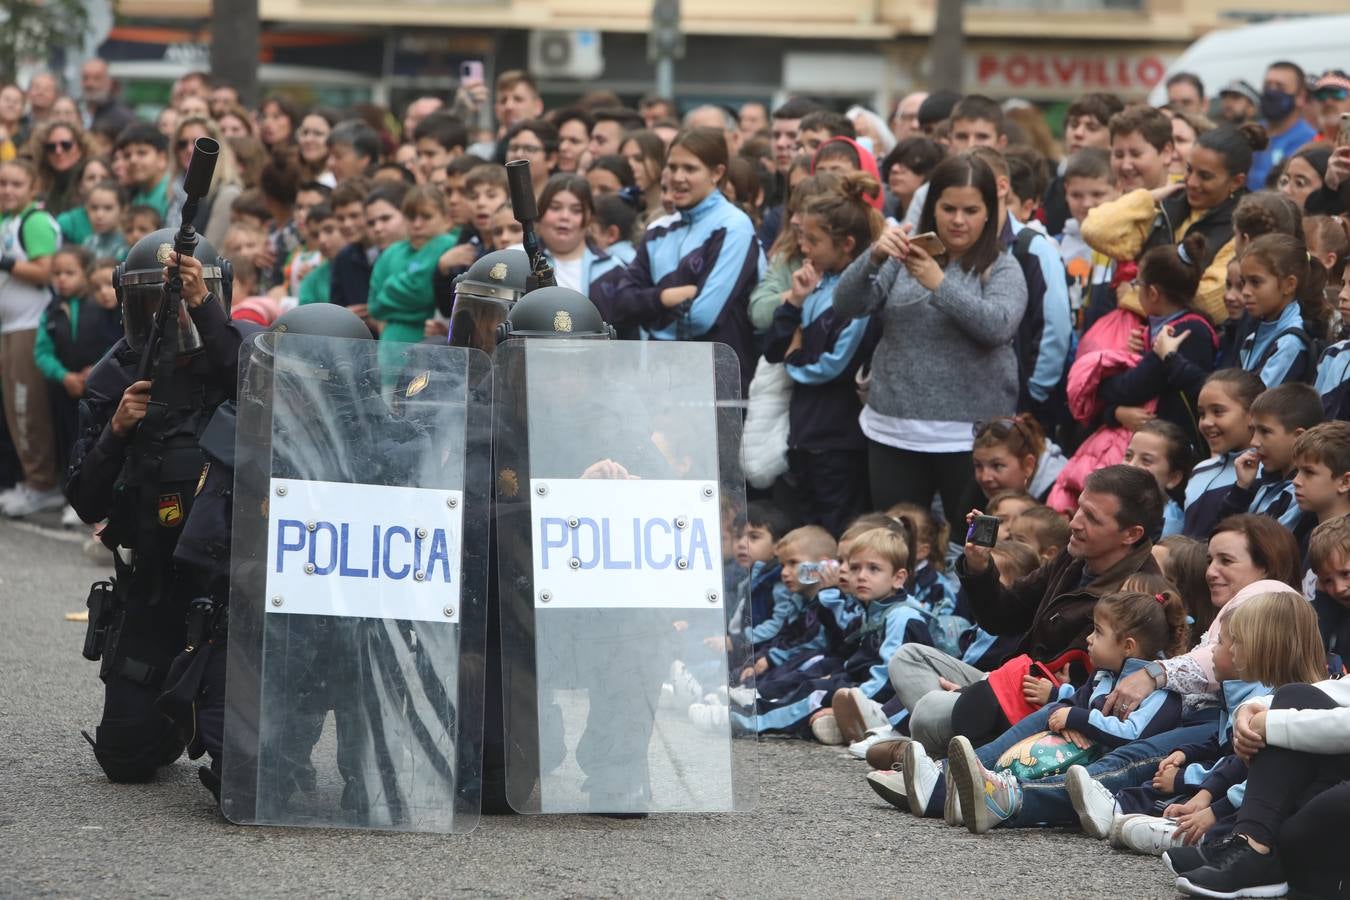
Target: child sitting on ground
{"x": 1264, "y": 474}
{"x": 1042, "y": 529}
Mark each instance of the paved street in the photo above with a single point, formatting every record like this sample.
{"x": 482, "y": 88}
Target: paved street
{"x": 820, "y": 831}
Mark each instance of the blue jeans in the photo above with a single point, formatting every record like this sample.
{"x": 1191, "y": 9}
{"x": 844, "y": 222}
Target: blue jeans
{"x": 1046, "y": 802}
{"x": 989, "y": 754}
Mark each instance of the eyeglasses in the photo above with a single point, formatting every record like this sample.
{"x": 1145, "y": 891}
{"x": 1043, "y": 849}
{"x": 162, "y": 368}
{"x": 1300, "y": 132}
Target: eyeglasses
{"x": 524, "y": 149}
{"x": 59, "y": 146}
{"x": 1331, "y": 93}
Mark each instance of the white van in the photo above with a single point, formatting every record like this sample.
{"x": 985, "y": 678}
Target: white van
{"x": 1316, "y": 43}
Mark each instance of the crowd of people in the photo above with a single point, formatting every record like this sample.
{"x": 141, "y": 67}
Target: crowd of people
{"x": 1127, "y": 343}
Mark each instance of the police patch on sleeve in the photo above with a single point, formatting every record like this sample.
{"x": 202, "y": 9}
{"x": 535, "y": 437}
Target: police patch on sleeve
{"x": 170, "y": 510}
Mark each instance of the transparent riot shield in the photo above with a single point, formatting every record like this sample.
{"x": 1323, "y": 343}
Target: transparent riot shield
{"x": 359, "y": 581}
{"x": 617, "y": 486}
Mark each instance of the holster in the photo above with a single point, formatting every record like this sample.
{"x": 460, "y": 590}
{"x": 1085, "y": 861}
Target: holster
{"x": 207, "y": 626}
{"x": 103, "y": 606}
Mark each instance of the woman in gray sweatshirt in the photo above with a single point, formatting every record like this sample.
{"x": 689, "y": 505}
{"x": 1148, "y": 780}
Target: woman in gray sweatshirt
{"x": 945, "y": 361}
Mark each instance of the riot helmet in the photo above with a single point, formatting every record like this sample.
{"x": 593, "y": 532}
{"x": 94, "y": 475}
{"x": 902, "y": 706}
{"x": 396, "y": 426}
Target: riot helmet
{"x": 554, "y": 312}
{"x": 139, "y": 282}
{"x": 484, "y": 295}
{"x": 322, "y": 320}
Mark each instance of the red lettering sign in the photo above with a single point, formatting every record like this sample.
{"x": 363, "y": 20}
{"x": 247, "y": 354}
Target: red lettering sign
{"x": 1015, "y": 72}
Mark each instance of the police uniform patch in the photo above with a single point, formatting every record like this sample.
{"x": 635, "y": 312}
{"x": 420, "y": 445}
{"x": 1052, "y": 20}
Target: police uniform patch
{"x": 508, "y": 482}
{"x": 162, "y": 253}
{"x": 562, "y": 322}
{"x": 201, "y": 482}
{"x": 498, "y": 272}
{"x": 418, "y": 384}
{"x": 170, "y": 510}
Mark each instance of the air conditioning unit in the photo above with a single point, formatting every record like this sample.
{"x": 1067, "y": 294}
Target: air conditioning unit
{"x": 566, "y": 54}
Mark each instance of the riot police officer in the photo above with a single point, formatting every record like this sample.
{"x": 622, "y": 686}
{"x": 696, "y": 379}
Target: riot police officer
{"x": 136, "y": 462}
{"x": 484, "y": 295}
{"x": 194, "y": 695}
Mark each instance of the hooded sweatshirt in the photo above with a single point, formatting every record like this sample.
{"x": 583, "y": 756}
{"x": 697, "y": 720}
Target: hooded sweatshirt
{"x": 866, "y": 161}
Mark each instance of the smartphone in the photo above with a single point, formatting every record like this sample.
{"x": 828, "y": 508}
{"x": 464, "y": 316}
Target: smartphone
{"x": 471, "y": 70}
{"x": 1343, "y": 137}
{"x": 929, "y": 242}
{"x": 983, "y": 531}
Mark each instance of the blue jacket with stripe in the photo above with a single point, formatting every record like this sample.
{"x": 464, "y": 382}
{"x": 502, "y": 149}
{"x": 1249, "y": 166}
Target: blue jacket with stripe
{"x": 711, "y": 246}
{"x": 1158, "y": 712}
{"x": 1206, "y": 492}
{"x": 1274, "y": 352}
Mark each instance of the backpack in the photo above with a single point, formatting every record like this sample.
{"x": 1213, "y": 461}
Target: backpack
{"x": 1314, "y": 346}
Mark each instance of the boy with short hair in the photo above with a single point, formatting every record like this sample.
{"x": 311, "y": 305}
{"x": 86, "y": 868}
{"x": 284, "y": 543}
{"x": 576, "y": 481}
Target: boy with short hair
{"x": 1322, "y": 470}
{"x": 757, "y": 614}
{"x": 1264, "y": 473}
{"x": 977, "y": 121}
{"x": 146, "y": 152}
{"x": 819, "y": 126}
{"x": 1042, "y": 529}
{"x": 1085, "y": 126}
{"x": 326, "y": 237}
{"x": 485, "y": 189}
{"x": 349, "y": 281}
{"x": 440, "y": 138}
{"x": 1329, "y": 560}
{"x": 1026, "y": 185}
{"x": 140, "y": 221}
{"x": 353, "y": 148}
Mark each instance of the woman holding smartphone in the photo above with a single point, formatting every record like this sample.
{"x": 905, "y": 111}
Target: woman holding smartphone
{"x": 947, "y": 323}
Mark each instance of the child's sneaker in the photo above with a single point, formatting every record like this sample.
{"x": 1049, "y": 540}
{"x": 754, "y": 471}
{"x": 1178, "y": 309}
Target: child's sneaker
{"x": 1237, "y": 871}
{"x": 890, "y": 786}
{"x": 70, "y": 518}
{"x": 1182, "y": 860}
{"x": 887, "y": 754}
{"x": 921, "y": 777}
{"x": 1149, "y": 835}
{"x": 667, "y": 698}
{"x": 825, "y": 728}
{"x": 951, "y": 804}
{"x": 856, "y": 712}
{"x": 687, "y": 689}
{"x": 717, "y": 696}
{"x": 1095, "y": 805}
{"x": 987, "y": 798}
{"x": 858, "y": 749}
{"x": 743, "y": 696}
{"x": 708, "y": 716}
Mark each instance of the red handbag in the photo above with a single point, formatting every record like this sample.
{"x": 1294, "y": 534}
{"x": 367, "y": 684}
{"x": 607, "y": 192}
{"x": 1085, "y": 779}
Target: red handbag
{"x": 1006, "y": 680}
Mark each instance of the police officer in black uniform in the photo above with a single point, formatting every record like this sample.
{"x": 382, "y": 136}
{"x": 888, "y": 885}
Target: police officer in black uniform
{"x": 483, "y": 297}
{"x": 137, "y": 463}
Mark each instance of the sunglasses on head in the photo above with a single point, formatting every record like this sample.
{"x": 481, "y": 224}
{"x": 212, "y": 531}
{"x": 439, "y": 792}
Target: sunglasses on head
{"x": 62, "y": 146}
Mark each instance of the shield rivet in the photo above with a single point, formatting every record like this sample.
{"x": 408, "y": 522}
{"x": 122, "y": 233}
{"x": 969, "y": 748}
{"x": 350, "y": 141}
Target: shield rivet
{"x": 281, "y": 490}
{"x": 681, "y": 523}
{"x": 542, "y": 490}
{"x": 420, "y": 576}
{"x": 449, "y": 612}
{"x": 421, "y": 532}
{"x": 451, "y": 502}
{"x": 707, "y": 490}
{"x": 712, "y": 596}
{"x": 276, "y": 601}
{"x": 545, "y": 596}
{"x": 573, "y": 522}
{"x": 574, "y": 563}
{"x": 309, "y": 568}
{"x": 309, "y": 526}
{"x": 681, "y": 563}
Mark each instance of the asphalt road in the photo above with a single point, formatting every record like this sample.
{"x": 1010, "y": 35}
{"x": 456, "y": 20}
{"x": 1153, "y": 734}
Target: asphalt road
{"x": 819, "y": 830}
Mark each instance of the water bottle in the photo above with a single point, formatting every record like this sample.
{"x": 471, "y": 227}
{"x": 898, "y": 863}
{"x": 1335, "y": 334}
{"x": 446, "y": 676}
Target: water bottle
{"x": 812, "y": 572}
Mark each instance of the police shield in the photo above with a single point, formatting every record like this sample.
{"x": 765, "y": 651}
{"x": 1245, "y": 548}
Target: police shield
{"x": 617, "y": 485}
{"x": 359, "y": 572}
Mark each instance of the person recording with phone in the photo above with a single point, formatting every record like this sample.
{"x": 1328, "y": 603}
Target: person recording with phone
{"x": 946, "y": 320}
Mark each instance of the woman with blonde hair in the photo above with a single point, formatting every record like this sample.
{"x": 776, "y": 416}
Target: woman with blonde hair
{"x": 57, "y": 147}
{"x": 213, "y": 215}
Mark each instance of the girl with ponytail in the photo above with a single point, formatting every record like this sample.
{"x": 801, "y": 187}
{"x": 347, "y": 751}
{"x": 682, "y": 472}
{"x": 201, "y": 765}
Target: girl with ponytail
{"x": 823, "y": 349}
{"x": 1283, "y": 293}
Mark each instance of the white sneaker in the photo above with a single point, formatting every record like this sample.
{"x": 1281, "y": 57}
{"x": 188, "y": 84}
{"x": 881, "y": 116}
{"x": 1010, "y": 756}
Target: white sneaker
{"x": 1149, "y": 835}
{"x": 70, "y": 518}
{"x": 921, "y": 776}
{"x": 858, "y": 749}
{"x": 889, "y": 785}
{"x": 26, "y": 501}
{"x": 1116, "y": 837}
{"x": 826, "y": 730}
{"x": 708, "y": 716}
{"x": 743, "y": 696}
{"x": 1095, "y": 805}
{"x": 686, "y": 687}
{"x": 667, "y": 698}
